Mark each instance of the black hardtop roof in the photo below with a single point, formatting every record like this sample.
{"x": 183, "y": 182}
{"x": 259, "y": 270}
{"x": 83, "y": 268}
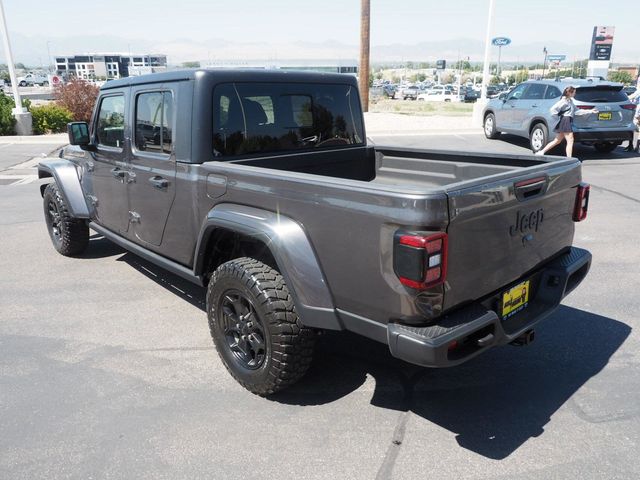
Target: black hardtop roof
{"x": 232, "y": 75}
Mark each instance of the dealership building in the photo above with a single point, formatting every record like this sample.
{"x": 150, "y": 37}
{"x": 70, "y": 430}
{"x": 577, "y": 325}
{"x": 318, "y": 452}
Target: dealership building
{"x": 103, "y": 66}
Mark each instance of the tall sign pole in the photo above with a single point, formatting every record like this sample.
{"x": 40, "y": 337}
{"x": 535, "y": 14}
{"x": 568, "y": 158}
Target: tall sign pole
{"x": 23, "y": 118}
{"x": 479, "y": 105}
{"x": 364, "y": 54}
{"x": 500, "y": 42}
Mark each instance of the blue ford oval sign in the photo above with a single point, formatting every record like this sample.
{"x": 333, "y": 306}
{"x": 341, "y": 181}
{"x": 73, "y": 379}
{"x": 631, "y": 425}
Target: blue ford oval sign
{"x": 501, "y": 41}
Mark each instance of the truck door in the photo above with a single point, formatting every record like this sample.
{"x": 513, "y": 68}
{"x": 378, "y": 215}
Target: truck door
{"x": 105, "y": 178}
{"x": 151, "y": 187}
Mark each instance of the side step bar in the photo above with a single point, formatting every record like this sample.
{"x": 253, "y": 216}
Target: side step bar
{"x": 154, "y": 258}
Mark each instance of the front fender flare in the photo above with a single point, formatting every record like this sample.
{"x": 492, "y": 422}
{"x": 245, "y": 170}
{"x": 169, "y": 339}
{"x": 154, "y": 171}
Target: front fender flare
{"x": 66, "y": 176}
{"x": 292, "y": 251}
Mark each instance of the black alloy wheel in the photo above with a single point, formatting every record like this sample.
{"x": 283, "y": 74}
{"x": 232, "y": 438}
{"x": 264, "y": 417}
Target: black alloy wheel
{"x": 243, "y": 329}
{"x": 255, "y": 327}
{"x": 69, "y": 235}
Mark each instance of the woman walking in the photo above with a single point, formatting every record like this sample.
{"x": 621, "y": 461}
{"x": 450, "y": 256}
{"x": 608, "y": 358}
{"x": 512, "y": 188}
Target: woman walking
{"x": 565, "y": 109}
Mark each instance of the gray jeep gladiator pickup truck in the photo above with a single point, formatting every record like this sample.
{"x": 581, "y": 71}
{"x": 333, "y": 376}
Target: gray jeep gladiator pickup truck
{"x": 260, "y": 185}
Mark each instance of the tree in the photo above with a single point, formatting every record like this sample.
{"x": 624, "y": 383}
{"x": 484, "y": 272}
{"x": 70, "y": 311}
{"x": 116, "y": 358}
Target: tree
{"x": 191, "y": 64}
{"x": 463, "y": 65}
{"x": 7, "y": 120}
{"x": 78, "y": 97}
{"x": 621, "y": 77}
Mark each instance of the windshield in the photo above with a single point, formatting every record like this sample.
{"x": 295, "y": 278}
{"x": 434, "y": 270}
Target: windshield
{"x": 602, "y": 94}
{"x": 270, "y": 117}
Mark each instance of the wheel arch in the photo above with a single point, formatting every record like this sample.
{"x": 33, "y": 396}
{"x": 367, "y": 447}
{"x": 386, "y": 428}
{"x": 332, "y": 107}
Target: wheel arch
{"x": 535, "y": 121}
{"x": 231, "y": 230}
{"x": 66, "y": 177}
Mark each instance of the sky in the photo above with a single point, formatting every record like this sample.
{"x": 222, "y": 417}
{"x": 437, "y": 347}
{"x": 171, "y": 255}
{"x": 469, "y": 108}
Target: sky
{"x": 215, "y": 29}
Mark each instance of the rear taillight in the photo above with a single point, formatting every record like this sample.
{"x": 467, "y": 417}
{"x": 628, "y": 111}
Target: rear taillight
{"x": 420, "y": 261}
{"x": 585, "y": 107}
{"x": 629, "y": 106}
{"x": 582, "y": 202}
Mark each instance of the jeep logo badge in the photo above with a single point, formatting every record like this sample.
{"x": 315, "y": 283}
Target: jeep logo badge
{"x": 527, "y": 222}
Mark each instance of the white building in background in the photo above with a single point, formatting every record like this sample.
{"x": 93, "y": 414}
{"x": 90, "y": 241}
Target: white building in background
{"x": 105, "y": 66}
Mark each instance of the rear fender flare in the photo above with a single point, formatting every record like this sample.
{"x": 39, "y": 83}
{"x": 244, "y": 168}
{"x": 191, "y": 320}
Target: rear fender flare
{"x": 65, "y": 174}
{"x": 292, "y": 251}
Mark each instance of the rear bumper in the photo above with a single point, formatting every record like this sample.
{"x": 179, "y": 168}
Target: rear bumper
{"x": 600, "y": 136}
{"x": 478, "y": 327}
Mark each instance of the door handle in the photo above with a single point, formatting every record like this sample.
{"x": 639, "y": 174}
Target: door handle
{"x": 534, "y": 106}
{"x": 117, "y": 173}
{"x": 90, "y": 166}
{"x": 159, "y": 182}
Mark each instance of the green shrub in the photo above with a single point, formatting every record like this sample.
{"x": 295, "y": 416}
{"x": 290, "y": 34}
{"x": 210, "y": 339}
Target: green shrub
{"x": 7, "y": 120}
{"x": 50, "y": 118}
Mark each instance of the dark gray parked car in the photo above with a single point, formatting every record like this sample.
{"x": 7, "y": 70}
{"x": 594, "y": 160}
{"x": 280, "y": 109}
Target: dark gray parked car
{"x": 260, "y": 186}
{"x": 524, "y": 111}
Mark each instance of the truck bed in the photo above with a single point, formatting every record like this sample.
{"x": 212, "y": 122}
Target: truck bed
{"x": 420, "y": 169}
{"x": 411, "y": 170}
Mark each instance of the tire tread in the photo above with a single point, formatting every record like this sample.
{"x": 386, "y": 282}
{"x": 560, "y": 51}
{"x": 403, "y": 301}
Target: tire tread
{"x": 291, "y": 342}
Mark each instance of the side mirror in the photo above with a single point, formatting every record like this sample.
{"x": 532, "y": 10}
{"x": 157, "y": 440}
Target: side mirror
{"x": 503, "y": 97}
{"x": 79, "y": 134}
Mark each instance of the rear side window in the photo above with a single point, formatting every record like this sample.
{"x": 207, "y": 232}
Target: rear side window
{"x": 154, "y": 121}
{"x": 110, "y": 124}
{"x": 263, "y": 118}
{"x": 602, "y": 94}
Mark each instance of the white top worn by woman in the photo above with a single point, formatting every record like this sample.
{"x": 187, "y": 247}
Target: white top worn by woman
{"x": 566, "y": 108}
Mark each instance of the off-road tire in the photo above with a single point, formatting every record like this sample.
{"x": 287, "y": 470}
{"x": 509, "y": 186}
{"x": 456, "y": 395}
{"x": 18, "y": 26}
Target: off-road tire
{"x": 288, "y": 345}
{"x": 69, "y": 235}
{"x": 489, "y": 126}
{"x": 539, "y": 137}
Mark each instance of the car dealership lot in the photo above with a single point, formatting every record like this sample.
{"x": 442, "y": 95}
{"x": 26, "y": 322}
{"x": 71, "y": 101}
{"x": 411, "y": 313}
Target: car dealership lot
{"x": 108, "y": 369}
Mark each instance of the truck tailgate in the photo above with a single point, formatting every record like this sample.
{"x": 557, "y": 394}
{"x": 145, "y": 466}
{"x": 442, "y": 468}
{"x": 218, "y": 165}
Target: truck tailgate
{"x": 505, "y": 226}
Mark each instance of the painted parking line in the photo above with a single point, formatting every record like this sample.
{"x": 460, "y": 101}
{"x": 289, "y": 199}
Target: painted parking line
{"x": 32, "y": 163}
{"x": 5, "y": 180}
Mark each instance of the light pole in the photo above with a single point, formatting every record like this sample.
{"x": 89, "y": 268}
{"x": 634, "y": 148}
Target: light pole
{"x": 23, "y": 118}
{"x": 482, "y": 101}
{"x": 364, "y": 54}
{"x": 487, "y": 52}
{"x": 49, "y": 56}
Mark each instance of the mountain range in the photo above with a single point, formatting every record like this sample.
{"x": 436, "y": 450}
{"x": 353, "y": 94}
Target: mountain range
{"x": 32, "y": 50}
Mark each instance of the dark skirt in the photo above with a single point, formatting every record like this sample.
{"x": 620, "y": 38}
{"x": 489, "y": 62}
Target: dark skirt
{"x": 564, "y": 125}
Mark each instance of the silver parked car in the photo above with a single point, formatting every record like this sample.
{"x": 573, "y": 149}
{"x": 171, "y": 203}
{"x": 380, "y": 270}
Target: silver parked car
{"x": 524, "y": 111}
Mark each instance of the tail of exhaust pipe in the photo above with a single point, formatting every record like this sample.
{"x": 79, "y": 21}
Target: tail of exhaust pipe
{"x": 526, "y": 338}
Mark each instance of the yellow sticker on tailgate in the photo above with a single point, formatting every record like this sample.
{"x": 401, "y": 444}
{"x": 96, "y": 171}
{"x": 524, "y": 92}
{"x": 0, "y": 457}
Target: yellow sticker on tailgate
{"x": 515, "y": 299}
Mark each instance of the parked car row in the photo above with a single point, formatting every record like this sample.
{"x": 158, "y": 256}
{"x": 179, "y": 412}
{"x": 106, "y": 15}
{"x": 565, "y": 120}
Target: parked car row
{"x": 525, "y": 111}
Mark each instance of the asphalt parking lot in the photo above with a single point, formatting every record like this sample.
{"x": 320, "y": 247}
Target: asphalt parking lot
{"x": 108, "y": 371}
